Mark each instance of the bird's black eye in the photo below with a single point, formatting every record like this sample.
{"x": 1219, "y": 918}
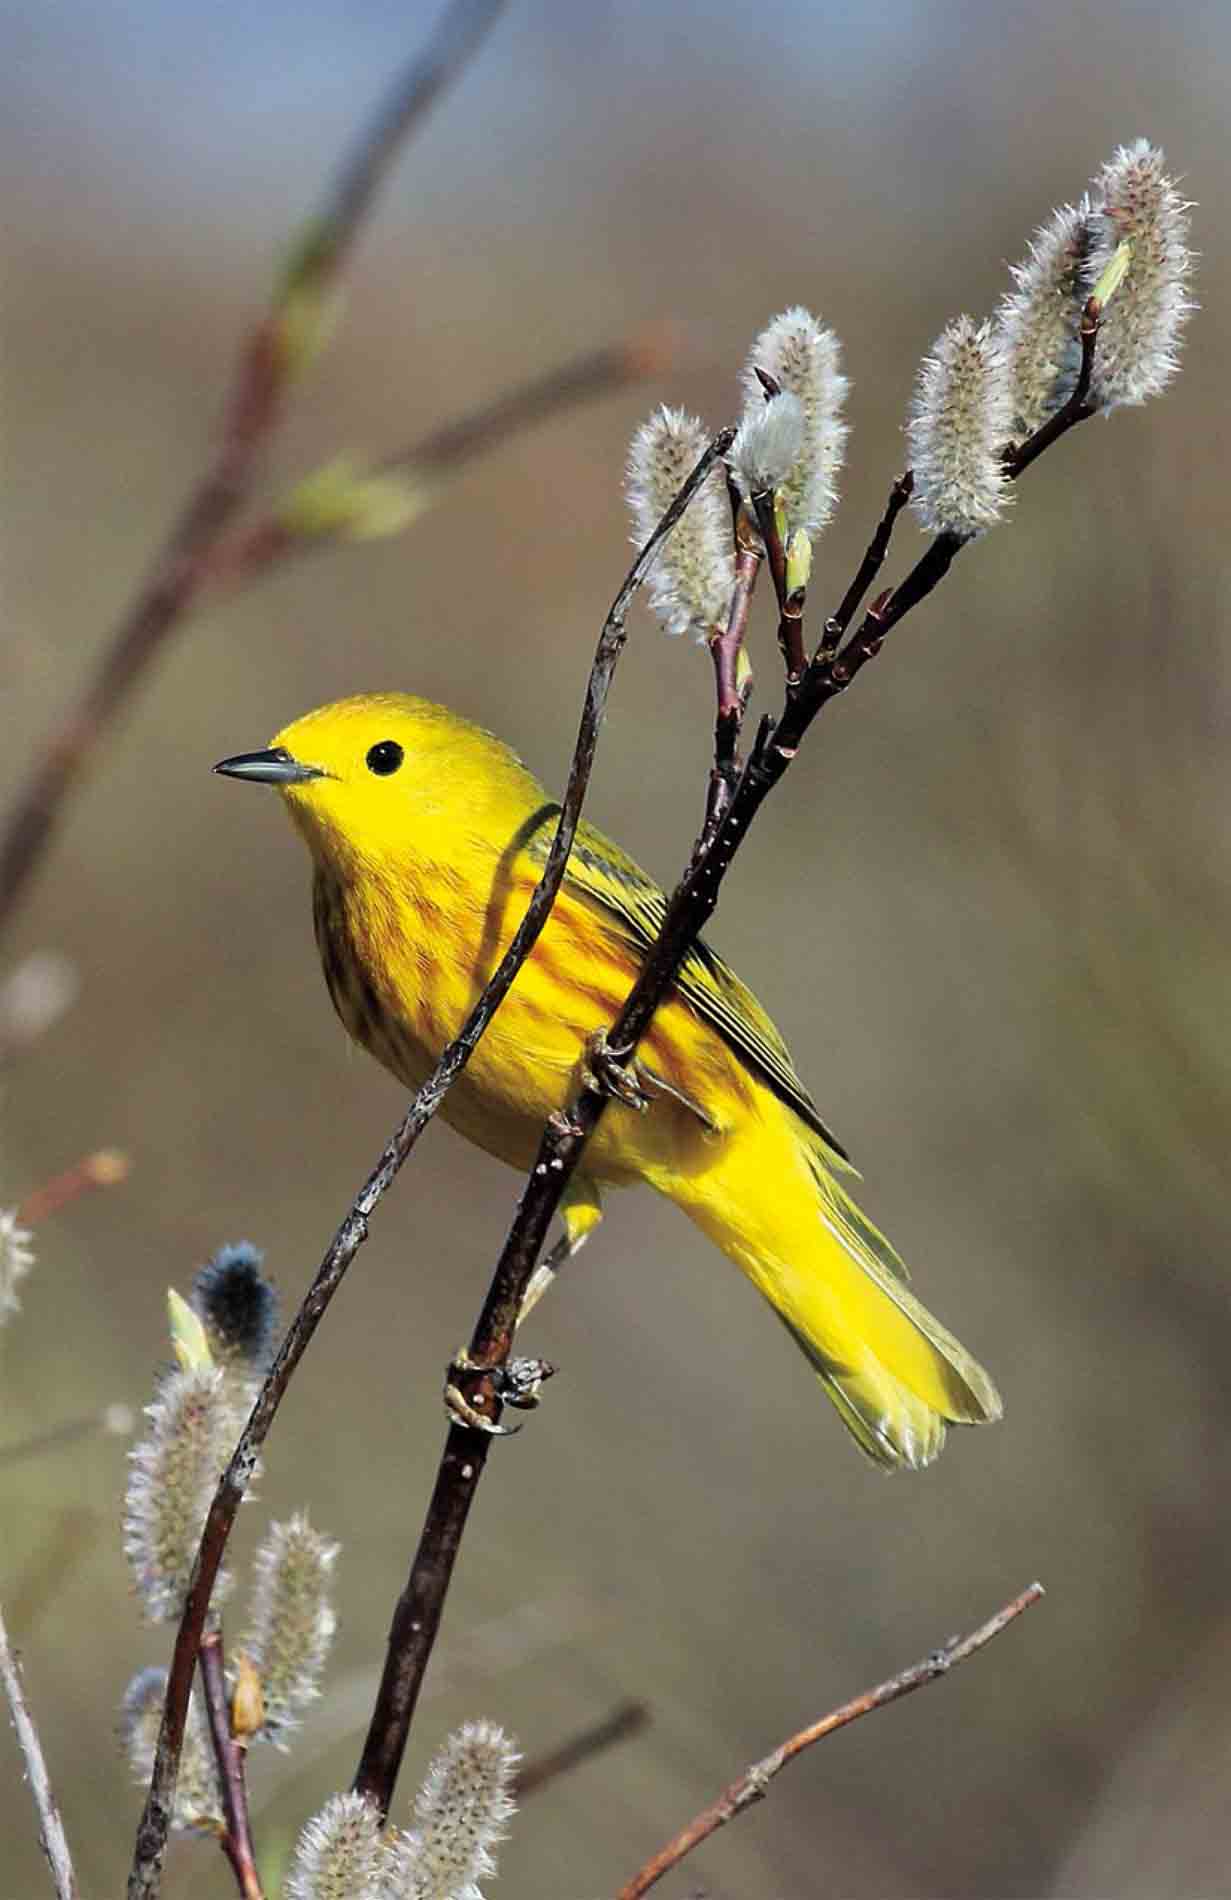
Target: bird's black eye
{"x": 385, "y": 758}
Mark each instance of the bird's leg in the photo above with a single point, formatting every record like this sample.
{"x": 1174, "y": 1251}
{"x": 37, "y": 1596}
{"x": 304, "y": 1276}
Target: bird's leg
{"x": 581, "y": 1210}
{"x": 518, "y": 1382}
{"x": 602, "y": 1068}
{"x": 633, "y": 1083}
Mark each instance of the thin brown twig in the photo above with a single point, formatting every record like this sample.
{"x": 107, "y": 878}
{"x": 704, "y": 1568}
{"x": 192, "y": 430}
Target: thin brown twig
{"x": 261, "y": 379}
{"x": 232, "y": 1759}
{"x": 753, "y": 1786}
{"x": 869, "y": 567}
{"x": 50, "y": 1826}
{"x": 150, "y": 1847}
{"x": 257, "y": 548}
{"x": 620, "y": 1725}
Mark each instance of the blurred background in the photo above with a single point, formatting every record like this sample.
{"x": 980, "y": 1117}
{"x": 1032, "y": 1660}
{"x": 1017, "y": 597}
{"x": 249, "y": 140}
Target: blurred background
{"x": 1005, "y": 853}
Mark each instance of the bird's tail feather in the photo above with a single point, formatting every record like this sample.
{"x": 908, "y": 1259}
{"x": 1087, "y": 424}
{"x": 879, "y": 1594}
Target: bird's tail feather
{"x": 897, "y": 1377}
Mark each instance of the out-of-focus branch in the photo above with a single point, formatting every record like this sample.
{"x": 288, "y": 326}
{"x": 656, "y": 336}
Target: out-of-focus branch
{"x": 426, "y": 466}
{"x": 263, "y": 374}
{"x": 105, "y": 1167}
{"x": 145, "y": 1876}
{"x": 51, "y": 1827}
{"x": 623, "y": 1722}
{"x": 754, "y": 1784}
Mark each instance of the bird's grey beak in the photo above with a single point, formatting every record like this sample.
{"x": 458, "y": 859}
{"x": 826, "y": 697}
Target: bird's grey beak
{"x": 274, "y": 767}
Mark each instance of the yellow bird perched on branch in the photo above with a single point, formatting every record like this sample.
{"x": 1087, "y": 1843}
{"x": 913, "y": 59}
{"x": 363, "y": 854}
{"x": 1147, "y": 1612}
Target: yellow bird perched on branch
{"x": 428, "y": 836}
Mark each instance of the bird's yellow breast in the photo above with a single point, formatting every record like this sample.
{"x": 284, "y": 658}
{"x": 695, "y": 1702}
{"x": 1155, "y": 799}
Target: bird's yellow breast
{"x": 405, "y": 966}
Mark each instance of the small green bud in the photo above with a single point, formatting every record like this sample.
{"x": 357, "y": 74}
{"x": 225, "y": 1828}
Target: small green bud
{"x": 337, "y": 500}
{"x": 189, "y": 1340}
{"x": 798, "y": 561}
{"x": 1113, "y": 274}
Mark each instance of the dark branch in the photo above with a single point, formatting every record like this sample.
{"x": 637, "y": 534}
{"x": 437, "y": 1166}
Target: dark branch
{"x": 869, "y": 567}
{"x": 145, "y": 1877}
{"x": 754, "y": 1785}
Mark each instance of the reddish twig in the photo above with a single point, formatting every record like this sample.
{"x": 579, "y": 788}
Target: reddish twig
{"x": 50, "y": 1826}
{"x": 623, "y": 1722}
{"x": 145, "y": 1876}
{"x": 754, "y": 1785}
{"x": 106, "y": 1167}
{"x": 261, "y": 379}
{"x": 232, "y": 1759}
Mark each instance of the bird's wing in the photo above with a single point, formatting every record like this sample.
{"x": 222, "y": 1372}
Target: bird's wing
{"x": 623, "y": 891}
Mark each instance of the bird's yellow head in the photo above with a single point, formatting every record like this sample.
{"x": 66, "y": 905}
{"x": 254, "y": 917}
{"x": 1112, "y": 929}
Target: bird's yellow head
{"x": 366, "y": 778}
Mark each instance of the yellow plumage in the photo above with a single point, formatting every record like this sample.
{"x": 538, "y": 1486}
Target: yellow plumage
{"x": 428, "y": 837}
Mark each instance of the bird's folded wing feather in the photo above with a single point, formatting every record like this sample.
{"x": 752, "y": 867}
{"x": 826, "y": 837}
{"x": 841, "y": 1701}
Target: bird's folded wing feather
{"x": 623, "y": 891}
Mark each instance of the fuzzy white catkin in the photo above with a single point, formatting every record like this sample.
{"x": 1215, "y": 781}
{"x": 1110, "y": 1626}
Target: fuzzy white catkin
{"x": 768, "y": 444}
{"x": 198, "y": 1796}
{"x": 461, "y": 1813}
{"x": 340, "y": 1854}
{"x": 16, "y": 1260}
{"x": 960, "y": 421}
{"x": 173, "y": 1473}
{"x": 1137, "y": 352}
{"x": 690, "y": 582}
{"x": 1039, "y": 320}
{"x": 803, "y": 356}
{"x": 292, "y": 1620}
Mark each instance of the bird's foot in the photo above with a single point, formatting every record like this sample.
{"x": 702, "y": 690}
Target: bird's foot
{"x": 617, "y": 1077}
{"x": 518, "y": 1383}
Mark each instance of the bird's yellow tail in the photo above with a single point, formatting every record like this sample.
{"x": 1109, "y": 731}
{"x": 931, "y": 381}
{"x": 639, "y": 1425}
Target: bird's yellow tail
{"x": 772, "y": 1202}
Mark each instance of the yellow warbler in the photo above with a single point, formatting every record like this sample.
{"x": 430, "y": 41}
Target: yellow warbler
{"x": 428, "y": 836}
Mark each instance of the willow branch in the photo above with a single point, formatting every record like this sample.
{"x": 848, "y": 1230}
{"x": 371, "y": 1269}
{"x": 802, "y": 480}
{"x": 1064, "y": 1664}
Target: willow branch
{"x": 145, "y": 1876}
{"x": 754, "y": 1785}
{"x": 50, "y": 1826}
{"x": 260, "y": 382}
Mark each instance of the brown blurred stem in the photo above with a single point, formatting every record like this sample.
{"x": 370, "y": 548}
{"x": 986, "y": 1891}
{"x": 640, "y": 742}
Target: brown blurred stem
{"x": 50, "y": 1826}
{"x": 620, "y": 1725}
{"x": 105, "y": 1167}
{"x": 145, "y": 1877}
{"x": 261, "y": 378}
{"x": 264, "y": 544}
{"x": 754, "y": 1784}
{"x": 232, "y": 1759}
